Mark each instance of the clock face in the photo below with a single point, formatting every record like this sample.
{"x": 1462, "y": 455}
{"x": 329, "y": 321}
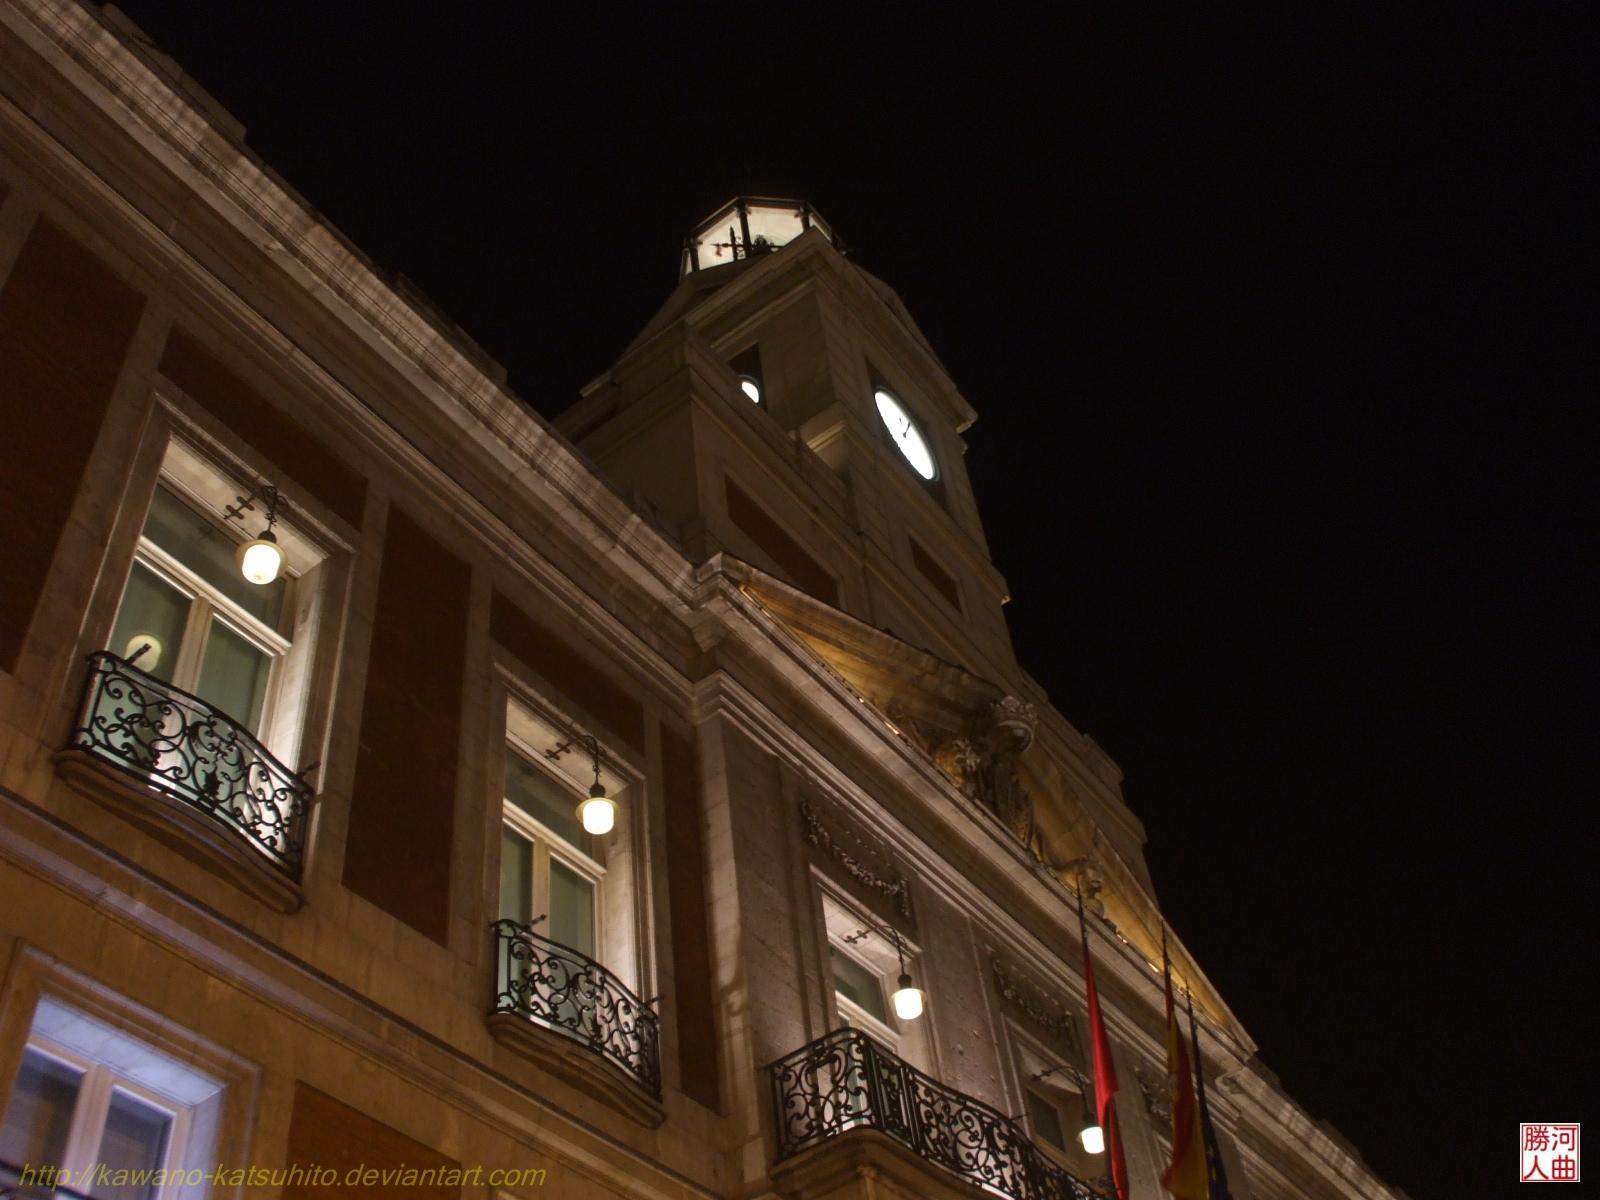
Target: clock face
{"x": 906, "y": 435}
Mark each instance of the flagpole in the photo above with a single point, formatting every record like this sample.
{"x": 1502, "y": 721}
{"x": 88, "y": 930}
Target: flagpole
{"x": 1104, "y": 1069}
{"x": 1194, "y": 1040}
{"x": 1166, "y": 966}
{"x": 1216, "y": 1175}
{"x": 1083, "y": 938}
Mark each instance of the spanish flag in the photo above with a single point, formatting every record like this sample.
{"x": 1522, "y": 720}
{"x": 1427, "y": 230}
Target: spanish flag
{"x": 1186, "y": 1176}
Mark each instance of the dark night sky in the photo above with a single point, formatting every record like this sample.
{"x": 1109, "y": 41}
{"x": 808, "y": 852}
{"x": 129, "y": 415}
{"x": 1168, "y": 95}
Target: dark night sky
{"x": 1284, "y": 362}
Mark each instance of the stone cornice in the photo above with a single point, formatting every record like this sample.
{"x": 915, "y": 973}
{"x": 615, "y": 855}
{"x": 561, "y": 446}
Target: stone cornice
{"x": 227, "y": 179}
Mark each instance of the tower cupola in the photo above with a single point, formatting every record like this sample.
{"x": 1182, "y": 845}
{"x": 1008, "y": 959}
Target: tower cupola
{"x": 745, "y": 227}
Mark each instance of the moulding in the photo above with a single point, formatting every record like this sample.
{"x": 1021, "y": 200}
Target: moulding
{"x": 192, "y": 833}
{"x": 577, "y": 1065}
{"x": 864, "y": 1164}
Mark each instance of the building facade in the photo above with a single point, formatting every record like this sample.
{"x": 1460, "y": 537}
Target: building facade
{"x": 305, "y": 882}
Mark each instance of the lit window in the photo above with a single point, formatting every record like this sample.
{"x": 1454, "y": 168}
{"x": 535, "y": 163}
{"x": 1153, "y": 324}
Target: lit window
{"x": 1057, "y": 1115}
{"x": 89, "y": 1099}
{"x": 1046, "y": 1120}
{"x": 548, "y": 864}
{"x": 189, "y": 618}
{"x": 862, "y": 994}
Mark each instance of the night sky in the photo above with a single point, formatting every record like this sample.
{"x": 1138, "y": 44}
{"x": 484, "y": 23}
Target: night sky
{"x": 1284, "y": 358}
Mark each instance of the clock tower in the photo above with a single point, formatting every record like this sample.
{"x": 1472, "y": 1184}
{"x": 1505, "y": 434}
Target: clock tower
{"x": 783, "y": 408}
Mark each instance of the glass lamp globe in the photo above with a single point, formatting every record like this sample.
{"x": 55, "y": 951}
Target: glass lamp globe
{"x": 599, "y": 812}
{"x": 1092, "y": 1138}
{"x": 151, "y": 658}
{"x": 907, "y": 1000}
{"x": 261, "y": 559}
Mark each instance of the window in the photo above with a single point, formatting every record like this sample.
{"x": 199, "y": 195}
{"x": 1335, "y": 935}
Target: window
{"x": 747, "y": 367}
{"x": 548, "y": 865}
{"x": 860, "y": 991}
{"x": 88, "y": 1096}
{"x": 200, "y": 736}
{"x": 567, "y": 953}
{"x": 1056, "y": 1114}
{"x": 188, "y": 616}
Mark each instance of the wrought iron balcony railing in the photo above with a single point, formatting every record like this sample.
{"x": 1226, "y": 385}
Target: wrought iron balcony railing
{"x": 556, "y": 987}
{"x": 176, "y": 743}
{"x": 845, "y": 1081}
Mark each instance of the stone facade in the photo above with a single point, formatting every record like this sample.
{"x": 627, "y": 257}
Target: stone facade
{"x": 787, "y": 648}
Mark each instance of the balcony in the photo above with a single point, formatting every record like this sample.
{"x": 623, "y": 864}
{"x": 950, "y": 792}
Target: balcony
{"x": 606, "y": 1040}
{"x": 845, "y": 1082}
{"x": 190, "y": 775}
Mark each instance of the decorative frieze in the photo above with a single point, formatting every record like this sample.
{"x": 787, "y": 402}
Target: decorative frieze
{"x": 1034, "y": 1006}
{"x": 894, "y": 888}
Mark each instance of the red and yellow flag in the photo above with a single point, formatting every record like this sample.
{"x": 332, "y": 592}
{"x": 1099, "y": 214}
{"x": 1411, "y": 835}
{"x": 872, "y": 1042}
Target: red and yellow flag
{"x": 1186, "y": 1175}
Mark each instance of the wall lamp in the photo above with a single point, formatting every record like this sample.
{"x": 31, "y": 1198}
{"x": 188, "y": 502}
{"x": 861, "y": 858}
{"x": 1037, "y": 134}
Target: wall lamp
{"x": 908, "y": 998}
{"x": 261, "y": 558}
{"x": 1090, "y": 1136}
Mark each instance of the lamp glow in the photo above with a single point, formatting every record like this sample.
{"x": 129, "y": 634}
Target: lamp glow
{"x": 750, "y": 388}
{"x": 151, "y": 656}
{"x": 599, "y": 812}
{"x": 907, "y": 1000}
{"x": 1092, "y": 1138}
{"x": 260, "y": 560}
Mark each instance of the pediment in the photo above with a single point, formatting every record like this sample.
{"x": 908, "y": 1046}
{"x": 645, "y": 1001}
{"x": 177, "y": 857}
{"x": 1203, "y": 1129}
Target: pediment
{"x": 983, "y": 740}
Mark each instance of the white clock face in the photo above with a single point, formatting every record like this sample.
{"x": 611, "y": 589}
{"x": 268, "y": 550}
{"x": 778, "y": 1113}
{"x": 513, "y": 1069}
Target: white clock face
{"x": 906, "y": 435}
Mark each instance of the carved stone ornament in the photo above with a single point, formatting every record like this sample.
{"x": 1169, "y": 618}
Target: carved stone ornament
{"x": 982, "y": 760}
{"x": 895, "y": 888}
{"x": 1011, "y": 724}
{"x": 1035, "y": 1007}
{"x": 1153, "y": 1090}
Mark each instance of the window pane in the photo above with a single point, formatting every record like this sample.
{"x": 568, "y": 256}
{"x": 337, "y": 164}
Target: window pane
{"x": 571, "y": 908}
{"x": 233, "y": 674}
{"x": 516, "y": 875}
{"x": 135, "y": 1139}
{"x": 154, "y": 613}
{"x": 545, "y": 800}
{"x": 40, "y": 1112}
{"x": 1046, "y": 1120}
{"x": 209, "y": 553}
{"x": 858, "y": 985}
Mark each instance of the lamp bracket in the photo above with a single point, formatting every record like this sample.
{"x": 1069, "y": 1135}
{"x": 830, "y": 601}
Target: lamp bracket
{"x": 266, "y": 493}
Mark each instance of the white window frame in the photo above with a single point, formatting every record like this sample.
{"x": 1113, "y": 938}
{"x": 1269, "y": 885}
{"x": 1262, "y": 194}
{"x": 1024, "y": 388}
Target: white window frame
{"x": 548, "y": 844}
{"x": 1068, "y": 1116}
{"x": 205, "y": 602}
{"x": 200, "y": 481}
{"x": 852, "y": 1013}
{"x": 91, "y": 1107}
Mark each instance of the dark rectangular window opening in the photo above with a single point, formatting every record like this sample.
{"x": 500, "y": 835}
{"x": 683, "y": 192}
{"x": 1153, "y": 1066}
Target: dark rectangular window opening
{"x": 774, "y": 541}
{"x": 943, "y": 582}
{"x": 747, "y": 366}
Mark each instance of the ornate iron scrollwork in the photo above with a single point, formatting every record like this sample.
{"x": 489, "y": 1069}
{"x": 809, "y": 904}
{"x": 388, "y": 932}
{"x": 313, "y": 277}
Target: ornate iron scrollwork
{"x": 846, "y": 1081}
{"x": 568, "y": 992}
{"x": 179, "y": 745}
{"x": 896, "y": 889}
{"x": 1058, "y": 1024}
